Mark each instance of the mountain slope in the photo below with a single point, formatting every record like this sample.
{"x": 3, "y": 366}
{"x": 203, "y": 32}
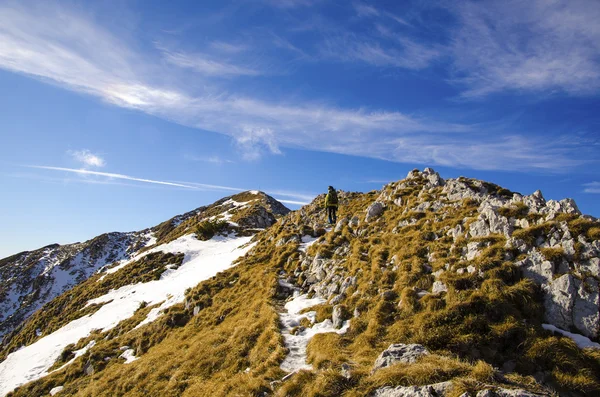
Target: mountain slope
{"x": 475, "y": 286}
{"x": 31, "y": 279}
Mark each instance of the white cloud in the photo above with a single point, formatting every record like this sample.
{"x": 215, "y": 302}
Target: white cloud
{"x": 202, "y": 63}
{"x": 109, "y": 69}
{"x": 87, "y": 158}
{"x": 401, "y": 53}
{"x": 535, "y": 45}
{"x": 109, "y": 178}
{"x": 364, "y": 10}
{"x": 214, "y": 159}
{"x": 113, "y": 176}
{"x": 592, "y": 187}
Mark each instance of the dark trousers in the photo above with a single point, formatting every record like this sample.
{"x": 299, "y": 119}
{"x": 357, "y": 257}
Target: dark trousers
{"x": 331, "y": 214}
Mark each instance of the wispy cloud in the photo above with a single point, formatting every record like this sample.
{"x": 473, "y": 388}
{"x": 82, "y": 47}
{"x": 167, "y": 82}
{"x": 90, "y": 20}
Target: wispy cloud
{"x": 87, "y": 158}
{"x": 109, "y": 178}
{"x": 204, "y": 64}
{"x": 403, "y": 53}
{"x": 365, "y": 10}
{"x": 109, "y": 69}
{"x": 535, "y": 45}
{"x": 592, "y": 187}
{"x": 113, "y": 176}
{"x": 214, "y": 159}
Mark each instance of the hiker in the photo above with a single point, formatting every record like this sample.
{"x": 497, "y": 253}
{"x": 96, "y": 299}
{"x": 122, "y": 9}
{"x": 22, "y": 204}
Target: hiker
{"x": 331, "y": 204}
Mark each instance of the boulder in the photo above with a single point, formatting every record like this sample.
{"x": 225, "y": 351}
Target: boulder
{"x": 340, "y": 225}
{"x": 586, "y": 314}
{"x": 536, "y": 267}
{"x": 489, "y": 221}
{"x": 508, "y": 393}
{"x": 559, "y": 299}
{"x": 435, "y": 390}
{"x": 433, "y": 178}
{"x": 340, "y": 313}
{"x": 399, "y": 353}
{"x": 374, "y": 211}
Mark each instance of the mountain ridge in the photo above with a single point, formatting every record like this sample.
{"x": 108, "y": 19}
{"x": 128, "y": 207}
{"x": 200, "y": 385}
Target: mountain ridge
{"x": 427, "y": 287}
{"x": 36, "y": 282}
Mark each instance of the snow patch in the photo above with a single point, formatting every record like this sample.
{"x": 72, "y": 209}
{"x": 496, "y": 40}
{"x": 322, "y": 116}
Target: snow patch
{"x": 202, "y": 260}
{"x": 580, "y": 340}
{"x": 296, "y": 358}
{"x": 56, "y": 390}
{"x": 129, "y": 356}
{"x": 307, "y": 241}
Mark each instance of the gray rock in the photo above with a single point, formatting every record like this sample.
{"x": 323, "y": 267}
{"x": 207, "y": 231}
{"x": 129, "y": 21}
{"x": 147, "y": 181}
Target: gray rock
{"x": 508, "y": 393}
{"x": 456, "y": 232}
{"x": 399, "y": 353}
{"x": 586, "y": 314}
{"x": 337, "y": 316}
{"x": 435, "y": 390}
{"x": 337, "y": 299}
{"x": 374, "y": 211}
{"x": 340, "y": 225}
{"x": 536, "y": 267}
{"x": 489, "y": 221}
{"x": 354, "y": 222}
{"x": 346, "y": 371}
{"x": 88, "y": 369}
{"x": 433, "y": 178}
{"x": 472, "y": 250}
{"x": 559, "y": 300}
{"x": 439, "y": 287}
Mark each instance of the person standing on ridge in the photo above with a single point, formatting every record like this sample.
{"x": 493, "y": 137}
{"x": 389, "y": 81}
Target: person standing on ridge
{"x": 331, "y": 204}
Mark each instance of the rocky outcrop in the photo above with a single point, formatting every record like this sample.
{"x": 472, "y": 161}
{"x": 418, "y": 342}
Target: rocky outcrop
{"x": 500, "y": 392}
{"x": 374, "y": 211}
{"x": 435, "y": 390}
{"x": 399, "y": 353}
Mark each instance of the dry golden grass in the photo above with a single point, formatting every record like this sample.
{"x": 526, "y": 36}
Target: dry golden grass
{"x": 479, "y": 324}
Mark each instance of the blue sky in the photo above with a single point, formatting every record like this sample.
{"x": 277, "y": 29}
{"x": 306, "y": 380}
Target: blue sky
{"x": 118, "y": 115}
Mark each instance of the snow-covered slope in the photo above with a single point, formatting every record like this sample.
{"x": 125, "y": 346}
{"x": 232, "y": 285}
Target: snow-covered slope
{"x": 131, "y": 272}
{"x": 30, "y": 279}
{"x": 203, "y": 259}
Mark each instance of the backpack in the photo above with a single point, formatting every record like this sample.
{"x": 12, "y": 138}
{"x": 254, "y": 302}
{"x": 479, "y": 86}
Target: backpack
{"x": 333, "y": 198}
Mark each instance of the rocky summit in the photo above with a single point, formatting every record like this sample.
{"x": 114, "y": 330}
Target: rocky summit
{"x": 427, "y": 287}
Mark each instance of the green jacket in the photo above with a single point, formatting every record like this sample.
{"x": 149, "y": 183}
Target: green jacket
{"x": 331, "y": 200}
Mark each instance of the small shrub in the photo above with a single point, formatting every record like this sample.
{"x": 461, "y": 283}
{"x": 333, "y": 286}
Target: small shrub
{"x": 205, "y": 230}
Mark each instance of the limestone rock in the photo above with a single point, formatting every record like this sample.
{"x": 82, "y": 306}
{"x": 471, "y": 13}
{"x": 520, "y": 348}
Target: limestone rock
{"x": 558, "y": 302}
{"x": 489, "y": 221}
{"x": 433, "y": 178}
{"x": 340, "y": 225}
{"x": 536, "y": 267}
{"x": 399, "y": 353}
{"x": 435, "y": 390}
{"x": 586, "y": 316}
{"x": 374, "y": 211}
{"x": 438, "y": 287}
{"x": 507, "y": 393}
{"x": 338, "y": 316}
